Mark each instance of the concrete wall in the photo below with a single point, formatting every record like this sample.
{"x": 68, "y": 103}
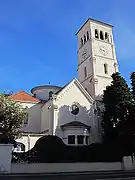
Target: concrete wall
{"x": 5, "y": 158}
{"x": 64, "y": 167}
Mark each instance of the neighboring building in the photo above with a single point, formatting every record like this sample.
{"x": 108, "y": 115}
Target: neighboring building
{"x": 70, "y": 112}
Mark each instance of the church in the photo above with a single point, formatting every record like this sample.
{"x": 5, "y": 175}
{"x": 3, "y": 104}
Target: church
{"x": 70, "y": 112}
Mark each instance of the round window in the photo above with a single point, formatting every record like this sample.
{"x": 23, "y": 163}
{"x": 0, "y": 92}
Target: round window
{"x": 74, "y": 109}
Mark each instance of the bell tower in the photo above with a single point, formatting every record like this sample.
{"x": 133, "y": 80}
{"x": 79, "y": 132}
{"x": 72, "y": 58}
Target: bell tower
{"x": 96, "y": 56}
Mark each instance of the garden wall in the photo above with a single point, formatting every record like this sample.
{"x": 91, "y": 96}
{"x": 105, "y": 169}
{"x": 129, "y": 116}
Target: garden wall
{"x": 64, "y": 167}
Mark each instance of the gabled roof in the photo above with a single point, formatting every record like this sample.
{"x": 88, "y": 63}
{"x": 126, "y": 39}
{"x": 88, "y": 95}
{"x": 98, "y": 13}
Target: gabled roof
{"x": 74, "y": 124}
{"x": 23, "y": 96}
{"x": 82, "y": 89}
{"x": 78, "y": 84}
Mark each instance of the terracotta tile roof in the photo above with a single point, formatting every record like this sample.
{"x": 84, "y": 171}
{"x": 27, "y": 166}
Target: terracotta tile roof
{"x": 23, "y": 96}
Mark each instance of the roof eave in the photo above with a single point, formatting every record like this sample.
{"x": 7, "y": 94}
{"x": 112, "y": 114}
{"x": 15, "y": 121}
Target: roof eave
{"x": 93, "y": 21}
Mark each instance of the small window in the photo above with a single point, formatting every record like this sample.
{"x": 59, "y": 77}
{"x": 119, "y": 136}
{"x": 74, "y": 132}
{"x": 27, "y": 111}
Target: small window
{"x": 74, "y": 109}
{"x": 88, "y": 36}
{"x": 106, "y": 36}
{"x": 85, "y": 72}
{"x": 71, "y": 139}
{"x": 96, "y": 34}
{"x": 84, "y": 39}
{"x": 81, "y": 42}
{"x": 105, "y": 68}
{"x": 101, "y": 35}
{"x": 80, "y": 139}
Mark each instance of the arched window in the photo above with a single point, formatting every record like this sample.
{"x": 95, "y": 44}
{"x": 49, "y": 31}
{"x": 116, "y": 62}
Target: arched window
{"x": 85, "y": 72}
{"x": 106, "y": 36}
{"x": 101, "y": 35}
{"x": 20, "y": 147}
{"x": 81, "y": 42}
{"x": 88, "y": 36}
{"x": 96, "y": 34}
{"x": 84, "y": 39}
{"x": 106, "y": 68}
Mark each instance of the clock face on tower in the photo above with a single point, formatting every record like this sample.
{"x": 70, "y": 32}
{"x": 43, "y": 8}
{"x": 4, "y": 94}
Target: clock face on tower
{"x": 103, "y": 50}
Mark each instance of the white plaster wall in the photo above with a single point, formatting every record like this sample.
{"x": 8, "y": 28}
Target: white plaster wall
{"x": 65, "y": 99}
{"x": 64, "y": 167}
{"x": 43, "y": 94}
{"x": 34, "y": 119}
{"x": 89, "y": 85}
{"x": 26, "y": 104}
{"x": 45, "y": 117}
{"x": 33, "y": 140}
{"x": 29, "y": 140}
{"x": 89, "y": 67}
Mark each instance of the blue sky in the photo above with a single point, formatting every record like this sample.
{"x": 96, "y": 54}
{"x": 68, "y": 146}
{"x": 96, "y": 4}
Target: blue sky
{"x": 38, "y": 42}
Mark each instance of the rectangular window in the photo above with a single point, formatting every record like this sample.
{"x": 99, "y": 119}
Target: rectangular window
{"x": 80, "y": 139}
{"x": 71, "y": 139}
{"x": 85, "y": 72}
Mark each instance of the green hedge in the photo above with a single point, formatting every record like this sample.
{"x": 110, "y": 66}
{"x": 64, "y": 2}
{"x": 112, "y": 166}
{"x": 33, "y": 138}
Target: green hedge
{"x": 52, "y": 149}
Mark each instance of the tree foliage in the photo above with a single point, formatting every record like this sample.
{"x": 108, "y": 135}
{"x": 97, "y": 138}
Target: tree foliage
{"x": 117, "y": 100}
{"x": 132, "y": 77}
{"x": 12, "y": 116}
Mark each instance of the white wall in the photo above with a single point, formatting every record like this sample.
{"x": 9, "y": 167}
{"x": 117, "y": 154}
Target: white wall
{"x": 29, "y": 140}
{"x": 64, "y": 167}
{"x": 27, "y": 104}
{"x": 34, "y": 116}
{"x": 34, "y": 119}
{"x": 65, "y": 99}
{"x": 43, "y": 93}
{"x": 45, "y": 116}
{"x": 62, "y": 114}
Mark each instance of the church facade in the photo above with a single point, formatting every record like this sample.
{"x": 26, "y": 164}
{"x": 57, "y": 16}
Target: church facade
{"x": 70, "y": 112}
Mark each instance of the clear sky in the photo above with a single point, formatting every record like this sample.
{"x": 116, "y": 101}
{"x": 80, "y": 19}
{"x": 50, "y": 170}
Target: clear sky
{"x": 38, "y": 42}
